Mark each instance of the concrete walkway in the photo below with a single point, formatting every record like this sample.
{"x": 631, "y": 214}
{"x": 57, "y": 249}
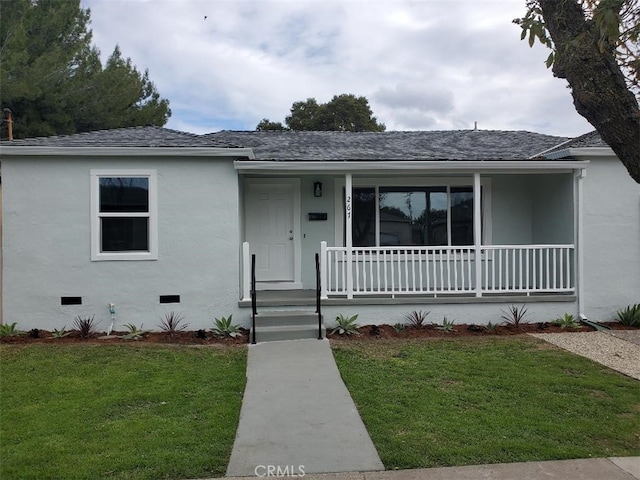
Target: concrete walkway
{"x": 297, "y": 412}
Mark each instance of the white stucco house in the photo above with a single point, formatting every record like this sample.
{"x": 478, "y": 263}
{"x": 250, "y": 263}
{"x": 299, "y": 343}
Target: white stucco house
{"x": 459, "y": 223}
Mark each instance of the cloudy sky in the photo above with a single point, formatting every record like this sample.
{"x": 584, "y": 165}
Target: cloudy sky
{"x": 423, "y": 65}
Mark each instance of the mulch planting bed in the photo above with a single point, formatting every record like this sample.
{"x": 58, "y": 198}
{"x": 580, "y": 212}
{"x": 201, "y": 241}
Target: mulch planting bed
{"x": 465, "y": 330}
{"x": 202, "y": 337}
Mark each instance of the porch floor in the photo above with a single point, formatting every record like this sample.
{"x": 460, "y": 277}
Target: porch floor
{"x": 307, "y": 298}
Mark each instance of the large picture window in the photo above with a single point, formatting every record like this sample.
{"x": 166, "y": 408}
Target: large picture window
{"x": 421, "y": 216}
{"x": 123, "y": 205}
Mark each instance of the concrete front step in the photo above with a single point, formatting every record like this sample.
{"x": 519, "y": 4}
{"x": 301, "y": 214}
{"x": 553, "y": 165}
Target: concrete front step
{"x": 287, "y": 325}
{"x": 289, "y": 332}
{"x": 286, "y": 317}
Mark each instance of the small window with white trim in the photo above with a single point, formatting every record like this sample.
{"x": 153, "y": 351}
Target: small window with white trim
{"x": 123, "y": 205}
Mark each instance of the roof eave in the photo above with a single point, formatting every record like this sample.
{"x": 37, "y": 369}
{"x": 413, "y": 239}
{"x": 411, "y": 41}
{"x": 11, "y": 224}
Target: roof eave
{"x": 258, "y": 166}
{"x": 48, "y": 151}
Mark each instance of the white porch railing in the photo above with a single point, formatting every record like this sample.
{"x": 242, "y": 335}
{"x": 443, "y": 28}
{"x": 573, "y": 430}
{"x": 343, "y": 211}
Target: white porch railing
{"x": 394, "y": 271}
{"x": 527, "y": 268}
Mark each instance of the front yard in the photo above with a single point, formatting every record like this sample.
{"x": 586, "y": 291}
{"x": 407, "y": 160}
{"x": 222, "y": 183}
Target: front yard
{"x": 437, "y": 402}
{"x": 118, "y": 411}
{"x": 144, "y": 411}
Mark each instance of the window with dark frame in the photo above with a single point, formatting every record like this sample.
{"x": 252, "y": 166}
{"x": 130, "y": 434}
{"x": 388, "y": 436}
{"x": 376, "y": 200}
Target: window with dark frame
{"x": 408, "y": 216}
{"x": 124, "y": 214}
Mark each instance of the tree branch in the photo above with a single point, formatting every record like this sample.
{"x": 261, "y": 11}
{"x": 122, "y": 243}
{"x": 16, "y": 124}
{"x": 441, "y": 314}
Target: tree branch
{"x": 597, "y": 84}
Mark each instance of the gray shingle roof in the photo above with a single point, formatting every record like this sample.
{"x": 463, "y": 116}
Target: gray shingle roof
{"x": 334, "y": 146}
{"x": 591, "y": 139}
{"x": 125, "y": 137}
{"x": 415, "y": 145}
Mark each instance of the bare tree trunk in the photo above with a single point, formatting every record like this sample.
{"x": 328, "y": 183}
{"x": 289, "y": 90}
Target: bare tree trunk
{"x": 597, "y": 84}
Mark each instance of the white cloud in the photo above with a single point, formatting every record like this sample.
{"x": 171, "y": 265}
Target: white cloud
{"x": 423, "y": 97}
{"x": 422, "y": 64}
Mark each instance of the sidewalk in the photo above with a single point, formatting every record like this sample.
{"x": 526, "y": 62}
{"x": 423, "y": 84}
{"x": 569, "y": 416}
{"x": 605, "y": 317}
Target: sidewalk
{"x": 296, "y": 411}
{"x": 621, "y": 468}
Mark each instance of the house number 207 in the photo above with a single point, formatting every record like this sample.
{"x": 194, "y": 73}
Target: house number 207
{"x": 348, "y": 206}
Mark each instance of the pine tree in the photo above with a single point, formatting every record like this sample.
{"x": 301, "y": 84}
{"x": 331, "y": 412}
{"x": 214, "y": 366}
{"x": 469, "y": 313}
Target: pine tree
{"x": 52, "y": 79}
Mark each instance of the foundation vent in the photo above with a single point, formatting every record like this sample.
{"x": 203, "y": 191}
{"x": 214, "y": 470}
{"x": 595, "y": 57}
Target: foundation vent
{"x": 70, "y": 300}
{"x": 169, "y": 298}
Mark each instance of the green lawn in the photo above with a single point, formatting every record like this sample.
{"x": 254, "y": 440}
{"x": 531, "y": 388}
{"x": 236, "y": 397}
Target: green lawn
{"x": 459, "y": 402}
{"x": 118, "y": 411}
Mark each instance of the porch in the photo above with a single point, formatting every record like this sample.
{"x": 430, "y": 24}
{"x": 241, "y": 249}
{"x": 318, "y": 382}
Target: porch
{"x": 498, "y": 235}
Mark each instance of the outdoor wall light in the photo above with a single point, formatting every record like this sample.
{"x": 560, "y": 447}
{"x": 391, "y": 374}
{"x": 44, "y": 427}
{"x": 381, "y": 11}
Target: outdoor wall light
{"x": 317, "y": 189}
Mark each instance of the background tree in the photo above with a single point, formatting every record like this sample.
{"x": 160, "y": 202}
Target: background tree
{"x": 595, "y": 48}
{"x": 343, "y": 113}
{"x": 119, "y": 95}
{"x": 305, "y": 116}
{"x": 52, "y": 79}
{"x": 267, "y": 125}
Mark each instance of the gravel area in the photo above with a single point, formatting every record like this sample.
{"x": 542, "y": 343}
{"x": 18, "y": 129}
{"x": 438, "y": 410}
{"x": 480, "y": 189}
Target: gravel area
{"x": 610, "y": 350}
{"x": 632, "y": 336}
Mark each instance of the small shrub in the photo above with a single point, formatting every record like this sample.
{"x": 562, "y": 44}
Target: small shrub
{"x": 225, "y": 328}
{"x": 416, "y": 319}
{"x": 133, "y": 332}
{"x": 399, "y": 327}
{"x": 346, "y": 325}
{"x": 515, "y": 315}
{"x": 491, "y": 327}
{"x": 9, "y": 330}
{"x": 201, "y": 334}
{"x": 172, "y": 323}
{"x": 447, "y": 326}
{"x": 630, "y": 316}
{"x": 85, "y": 326}
{"x": 566, "y": 321}
{"x": 60, "y": 333}
{"x": 374, "y": 330}
{"x": 34, "y": 333}
{"x": 476, "y": 328}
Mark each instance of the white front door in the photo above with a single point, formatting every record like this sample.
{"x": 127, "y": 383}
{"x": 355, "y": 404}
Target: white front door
{"x": 270, "y": 231}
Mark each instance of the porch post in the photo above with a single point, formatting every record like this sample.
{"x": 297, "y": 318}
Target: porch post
{"x": 324, "y": 288}
{"x": 246, "y": 272}
{"x": 348, "y": 210}
{"x": 578, "y": 240}
{"x": 477, "y": 232}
